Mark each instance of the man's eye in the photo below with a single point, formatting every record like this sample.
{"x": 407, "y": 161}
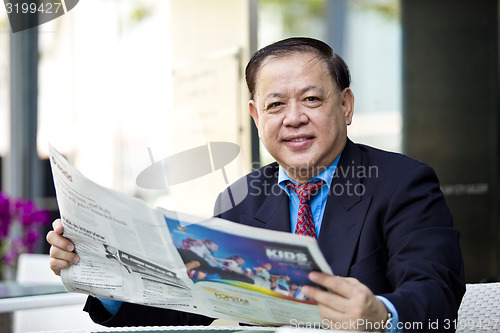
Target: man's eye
{"x": 273, "y": 105}
{"x": 312, "y": 101}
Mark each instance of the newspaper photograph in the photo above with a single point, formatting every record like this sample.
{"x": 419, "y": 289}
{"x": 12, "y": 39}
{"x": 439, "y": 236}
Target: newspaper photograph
{"x": 243, "y": 271}
{"x": 132, "y": 252}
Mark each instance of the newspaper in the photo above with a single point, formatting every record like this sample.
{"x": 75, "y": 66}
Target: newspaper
{"x": 134, "y": 253}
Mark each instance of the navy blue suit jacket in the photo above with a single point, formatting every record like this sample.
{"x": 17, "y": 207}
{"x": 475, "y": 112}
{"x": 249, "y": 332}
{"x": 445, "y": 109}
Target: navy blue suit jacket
{"x": 386, "y": 223}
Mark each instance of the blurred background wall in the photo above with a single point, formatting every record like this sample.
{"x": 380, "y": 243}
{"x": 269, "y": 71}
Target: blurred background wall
{"x": 113, "y": 84}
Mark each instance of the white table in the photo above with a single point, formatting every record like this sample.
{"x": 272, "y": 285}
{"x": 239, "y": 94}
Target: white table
{"x": 15, "y": 296}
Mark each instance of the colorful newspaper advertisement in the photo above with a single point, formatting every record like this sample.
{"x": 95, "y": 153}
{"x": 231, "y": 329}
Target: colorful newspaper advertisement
{"x": 134, "y": 253}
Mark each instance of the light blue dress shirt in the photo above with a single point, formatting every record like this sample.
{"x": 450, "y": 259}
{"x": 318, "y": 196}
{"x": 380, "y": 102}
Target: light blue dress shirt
{"x": 318, "y": 204}
{"x": 110, "y": 304}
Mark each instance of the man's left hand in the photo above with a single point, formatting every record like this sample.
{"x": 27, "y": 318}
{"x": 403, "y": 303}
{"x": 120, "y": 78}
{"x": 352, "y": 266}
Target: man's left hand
{"x": 347, "y": 303}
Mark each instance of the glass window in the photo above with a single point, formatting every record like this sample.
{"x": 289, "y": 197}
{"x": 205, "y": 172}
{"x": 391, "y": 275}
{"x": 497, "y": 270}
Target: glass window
{"x": 104, "y": 88}
{"x": 370, "y": 34}
{"x": 114, "y": 82}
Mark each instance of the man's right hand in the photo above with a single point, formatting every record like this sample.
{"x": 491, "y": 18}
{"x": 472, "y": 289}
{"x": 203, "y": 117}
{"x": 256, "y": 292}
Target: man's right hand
{"x": 62, "y": 255}
{"x": 61, "y": 251}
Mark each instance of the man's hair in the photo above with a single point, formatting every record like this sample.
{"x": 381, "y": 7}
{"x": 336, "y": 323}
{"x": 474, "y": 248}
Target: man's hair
{"x": 336, "y": 65}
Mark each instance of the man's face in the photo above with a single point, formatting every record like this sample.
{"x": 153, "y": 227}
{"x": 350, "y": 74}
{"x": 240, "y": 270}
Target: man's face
{"x": 301, "y": 115}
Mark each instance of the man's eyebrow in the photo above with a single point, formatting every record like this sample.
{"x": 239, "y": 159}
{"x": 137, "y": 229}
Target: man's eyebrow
{"x": 301, "y": 91}
{"x": 273, "y": 95}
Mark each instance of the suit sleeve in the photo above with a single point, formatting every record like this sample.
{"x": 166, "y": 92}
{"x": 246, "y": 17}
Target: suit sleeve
{"x": 425, "y": 266}
{"x": 139, "y": 315}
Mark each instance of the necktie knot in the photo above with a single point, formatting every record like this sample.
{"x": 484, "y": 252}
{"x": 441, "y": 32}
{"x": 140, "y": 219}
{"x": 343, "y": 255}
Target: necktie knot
{"x": 306, "y": 192}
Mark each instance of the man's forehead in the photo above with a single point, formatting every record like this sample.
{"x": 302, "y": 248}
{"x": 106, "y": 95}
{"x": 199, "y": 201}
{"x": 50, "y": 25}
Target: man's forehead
{"x": 276, "y": 68}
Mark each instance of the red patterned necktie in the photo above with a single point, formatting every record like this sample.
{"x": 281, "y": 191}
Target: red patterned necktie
{"x": 305, "y": 192}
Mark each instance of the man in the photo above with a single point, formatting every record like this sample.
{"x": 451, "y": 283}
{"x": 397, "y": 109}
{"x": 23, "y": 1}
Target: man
{"x": 380, "y": 218}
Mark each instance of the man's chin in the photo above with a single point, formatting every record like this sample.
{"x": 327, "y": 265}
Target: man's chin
{"x": 300, "y": 171}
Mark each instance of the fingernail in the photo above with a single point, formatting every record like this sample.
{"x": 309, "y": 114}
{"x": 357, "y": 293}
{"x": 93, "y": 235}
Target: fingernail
{"x": 76, "y": 260}
{"x": 313, "y": 276}
{"x": 70, "y": 247}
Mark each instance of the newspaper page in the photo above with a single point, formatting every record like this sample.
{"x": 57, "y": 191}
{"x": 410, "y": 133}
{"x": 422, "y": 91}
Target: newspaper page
{"x": 131, "y": 252}
{"x": 125, "y": 251}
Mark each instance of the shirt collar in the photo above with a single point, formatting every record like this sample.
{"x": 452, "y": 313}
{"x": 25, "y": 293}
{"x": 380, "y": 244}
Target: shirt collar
{"x": 326, "y": 176}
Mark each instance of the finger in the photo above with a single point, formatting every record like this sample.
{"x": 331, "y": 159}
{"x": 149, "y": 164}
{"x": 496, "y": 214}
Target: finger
{"x": 329, "y": 299}
{"x": 55, "y": 239}
{"x": 62, "y": 255}
{"x": 332, "y": 307}
{"x": 333, "y": 315}
{"x": 335, "y": 308}
{"x": 57, "y": 226}
{"x": 56, "y": 265}
{"x": 192, "y": 265}
{"x": 339, "y": 285}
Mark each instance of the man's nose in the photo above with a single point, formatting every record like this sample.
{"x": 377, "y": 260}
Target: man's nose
{"x": 295, "y": 115}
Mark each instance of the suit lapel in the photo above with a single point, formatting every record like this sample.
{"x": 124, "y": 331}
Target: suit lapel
{"x": 274, "y": 211}
{"x": 345, "y": 212}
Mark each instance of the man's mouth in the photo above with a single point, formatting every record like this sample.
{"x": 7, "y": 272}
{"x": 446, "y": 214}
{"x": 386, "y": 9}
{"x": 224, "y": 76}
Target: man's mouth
{"x": 299, "y": 143}
{"x": 298, "y": 139}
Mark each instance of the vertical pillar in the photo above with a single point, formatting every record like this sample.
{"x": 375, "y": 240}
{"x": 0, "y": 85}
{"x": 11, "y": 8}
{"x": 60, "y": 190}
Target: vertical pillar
{"x": 336, "y": 23}
{"x": 253, "y": 47}
{"x": 451, "y": 115}
{"x": 22, "y": 163}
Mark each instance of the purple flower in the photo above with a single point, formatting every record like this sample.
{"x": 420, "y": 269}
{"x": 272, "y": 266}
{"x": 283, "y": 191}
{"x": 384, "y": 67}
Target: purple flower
{"x": 37, "y": 217}
{"x": 28, "y": 219}
{"x": 31, "y": 238}
{"x": 28, "y": 214}
{"x": 5, "y": 216}
{"x": 4, "y": 204}
{"x": 16, "y": 248}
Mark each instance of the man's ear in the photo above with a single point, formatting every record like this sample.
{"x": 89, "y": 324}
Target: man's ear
{"x": 253, "y": 112}
{"x": 347, "y": 97}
